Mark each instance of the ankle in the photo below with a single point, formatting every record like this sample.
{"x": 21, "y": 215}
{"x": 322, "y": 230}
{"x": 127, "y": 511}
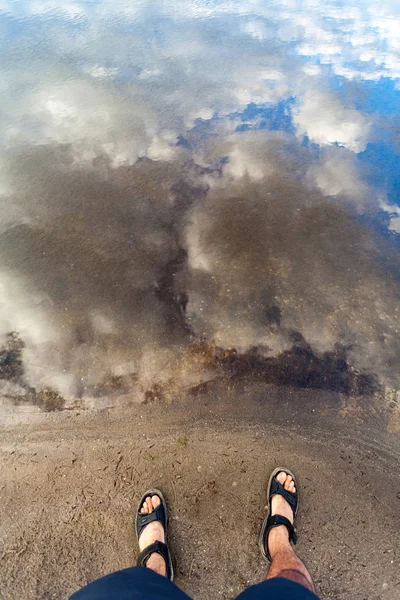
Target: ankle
{"x": 156, "y": 563}
{"x": 278, "y": 540}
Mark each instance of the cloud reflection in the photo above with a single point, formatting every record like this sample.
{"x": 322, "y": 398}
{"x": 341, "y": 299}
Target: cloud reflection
{"x": 147, "y": 205}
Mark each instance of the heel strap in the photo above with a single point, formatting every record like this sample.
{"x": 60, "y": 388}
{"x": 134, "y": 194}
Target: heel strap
{"x": 277, "y": 521}
{"x": 158, "y": 548}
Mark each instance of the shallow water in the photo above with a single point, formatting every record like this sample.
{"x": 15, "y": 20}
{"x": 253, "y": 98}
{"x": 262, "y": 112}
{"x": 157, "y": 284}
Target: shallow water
{"x": 195, "y": 190}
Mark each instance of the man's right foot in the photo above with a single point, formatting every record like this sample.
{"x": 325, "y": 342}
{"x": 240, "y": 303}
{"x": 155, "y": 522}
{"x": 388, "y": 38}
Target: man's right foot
{"x": 278, "y": 537}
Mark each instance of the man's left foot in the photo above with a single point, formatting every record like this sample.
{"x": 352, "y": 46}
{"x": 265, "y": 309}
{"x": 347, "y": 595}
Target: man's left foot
{"x": 153, "y": 532}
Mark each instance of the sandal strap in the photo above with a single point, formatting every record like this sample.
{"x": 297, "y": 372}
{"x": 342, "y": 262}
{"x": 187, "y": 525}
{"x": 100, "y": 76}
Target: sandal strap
{"x": 158, "y": 514}
{"x": 159, "y": 548}
{"x": 278, "y": 489}
{"x": 276, "y": 521}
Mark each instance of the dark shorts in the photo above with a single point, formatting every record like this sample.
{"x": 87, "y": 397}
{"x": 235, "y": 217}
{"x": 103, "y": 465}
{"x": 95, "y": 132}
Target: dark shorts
{"x": 139, "y": 583}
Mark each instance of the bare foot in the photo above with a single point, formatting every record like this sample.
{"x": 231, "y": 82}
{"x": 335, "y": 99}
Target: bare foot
{"x": 278, "y": 537}
{"x": 153, "y": 532}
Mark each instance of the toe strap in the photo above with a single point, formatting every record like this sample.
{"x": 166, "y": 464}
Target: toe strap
{"x": 276, "y": 521}
{"x": 277, "y": 488}
{"x": 142, "y": 520}
{"x": 158, "y": 548}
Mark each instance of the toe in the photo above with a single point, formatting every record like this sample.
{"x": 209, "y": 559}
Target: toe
{"x": 281, "y": 477}
{"x": 149, "y": 504}
{"x": 288, "y": 482}
{"x": 144, "y": 509}
{"x": 156, "y": 501}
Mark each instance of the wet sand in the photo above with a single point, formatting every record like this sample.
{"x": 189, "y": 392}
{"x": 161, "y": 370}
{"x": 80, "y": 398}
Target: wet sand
{"x": 71, "y": 480}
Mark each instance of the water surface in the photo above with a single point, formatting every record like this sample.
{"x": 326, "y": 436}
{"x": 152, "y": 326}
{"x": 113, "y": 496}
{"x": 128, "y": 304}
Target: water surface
{"x": 199, "y": 189}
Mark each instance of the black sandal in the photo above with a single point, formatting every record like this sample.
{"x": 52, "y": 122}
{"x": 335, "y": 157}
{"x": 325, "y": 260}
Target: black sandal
{"x": 158, "y": 514}
{"x": 274, "y": 488}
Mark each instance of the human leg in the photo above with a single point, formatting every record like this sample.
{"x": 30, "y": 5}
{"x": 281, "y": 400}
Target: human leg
{"x": 287, "y": 578}
{"x": 285, "y": 562}
{"x": 149, "y": 581}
